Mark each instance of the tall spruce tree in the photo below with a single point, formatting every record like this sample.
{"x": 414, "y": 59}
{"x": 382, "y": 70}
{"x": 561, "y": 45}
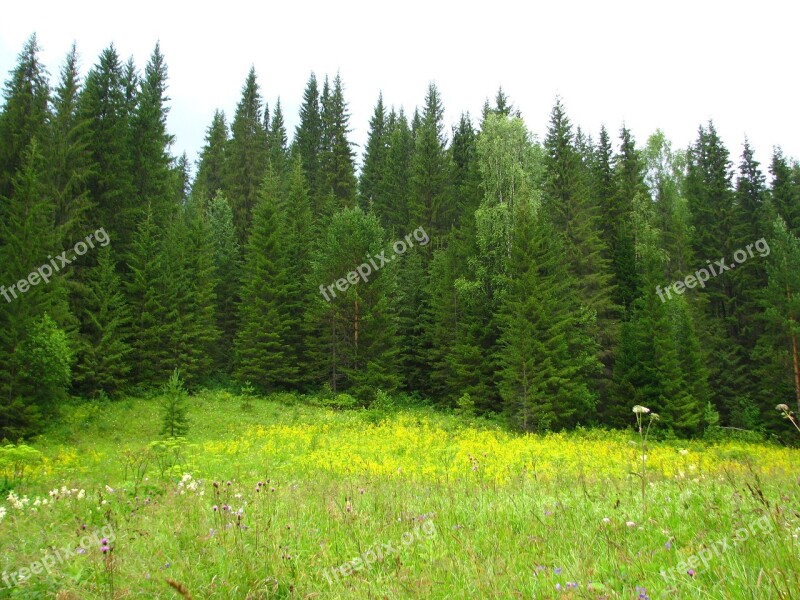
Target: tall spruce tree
{"x": 260, "y": 345}
{"x": 338, "y": 157}
{"x": 211, "y": 169}
{"x": 372, "y": 184}
{"x": 431, "y": 196}
{"x": 246, "y": 160}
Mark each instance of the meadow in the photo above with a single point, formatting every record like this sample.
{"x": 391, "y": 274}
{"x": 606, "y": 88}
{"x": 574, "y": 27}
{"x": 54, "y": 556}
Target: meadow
{"x": 277, "y": 498}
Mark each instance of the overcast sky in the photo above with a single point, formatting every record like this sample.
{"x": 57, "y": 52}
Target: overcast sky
{"x": 671, "y": 65}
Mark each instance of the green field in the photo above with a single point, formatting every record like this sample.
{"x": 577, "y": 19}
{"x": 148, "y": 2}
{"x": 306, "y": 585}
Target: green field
{"x": 290, "y": 500}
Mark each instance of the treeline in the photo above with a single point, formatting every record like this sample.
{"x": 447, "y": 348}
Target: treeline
{"x": 535, "y": 298}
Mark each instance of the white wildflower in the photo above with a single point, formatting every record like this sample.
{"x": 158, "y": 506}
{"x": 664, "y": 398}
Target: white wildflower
{"x": 641, "y": 409}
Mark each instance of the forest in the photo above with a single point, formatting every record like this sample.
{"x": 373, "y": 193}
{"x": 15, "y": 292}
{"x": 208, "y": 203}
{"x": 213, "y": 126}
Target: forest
{"x": 549, "y": 283}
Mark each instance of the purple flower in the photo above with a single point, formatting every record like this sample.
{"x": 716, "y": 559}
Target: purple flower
{"x": 571, "y": 585}
{"x": 668, "y": 545}
{"x": 104, "y": 542}
{"x": 690, "y": 572}
{"x": 557, "y": 570}
{"x": 81, "y": 550}
{"x": 558, "y": 587}
{"x": 104, "y": 549}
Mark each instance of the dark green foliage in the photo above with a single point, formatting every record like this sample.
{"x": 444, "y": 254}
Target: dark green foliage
{"x": 151, "y": 142}
{"x": 539, "y": 291}
{"x": 547, "y": 353}
{"x": 68, "y": 156}
{"x": 104, "y": 354}
{"x": 246, "y": 157}
{"x": 227, "y": 274}
{"x": 42, "y": 368}
{"x": 24, "y": 116}
{"x": 354, "y": 345}
{"x": 393, "y": 208}
{"x": 431, "y": 197}
{"x": 307, "y": 144}
{"x": 338, "y": 157}
{"x": 372, "y": 185}
{"x": 260, "y": 346}
{"x": 211, "y": 168}
{"x": 107, "y": 109}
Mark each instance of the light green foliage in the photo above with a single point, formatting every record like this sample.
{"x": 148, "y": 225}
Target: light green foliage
{"x": 174, "y": 408}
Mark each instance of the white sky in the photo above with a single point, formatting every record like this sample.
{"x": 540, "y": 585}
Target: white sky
{"x": 670, "y": 65}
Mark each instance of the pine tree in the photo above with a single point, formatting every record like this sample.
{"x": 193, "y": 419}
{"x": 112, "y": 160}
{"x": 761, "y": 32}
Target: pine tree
{"x": 354, "y": 347}
{"x": 777, "y": 354}
{"x": 174, "y": 411}
{"x": 711, "y": 201}
{"x": 189, "y": 253}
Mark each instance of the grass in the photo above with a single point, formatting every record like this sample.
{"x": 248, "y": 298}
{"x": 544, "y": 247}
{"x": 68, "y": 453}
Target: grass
{"x": 428, "y": 506}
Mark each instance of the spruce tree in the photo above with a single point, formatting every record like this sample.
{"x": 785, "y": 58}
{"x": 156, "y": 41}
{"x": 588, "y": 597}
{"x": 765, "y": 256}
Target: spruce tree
{"x": 338, "y": 157}
{"x": 547, "y": 352}
{"x": 260, "y": 345}
{"x": 246, "y": 156}
{"x": 393, "y": 209}
{"x": 106, "y": 109}
{"x": 211, "y": 168}
{"x": 372, "y": 184}
{"x": 307, "y": 143}
{"x": 68, "y": 155}
{"x": 151, "y": 142}
{"x": 25, "y": 112}
{"x": 227, "y": 275}
{"x": 431, "y": 195}
{"x": 105, "y": 353}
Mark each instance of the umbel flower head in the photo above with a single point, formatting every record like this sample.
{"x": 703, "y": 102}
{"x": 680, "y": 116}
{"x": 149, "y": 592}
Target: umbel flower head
{"x": 639, "y": 410}
{"x": 782, "y": 408}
